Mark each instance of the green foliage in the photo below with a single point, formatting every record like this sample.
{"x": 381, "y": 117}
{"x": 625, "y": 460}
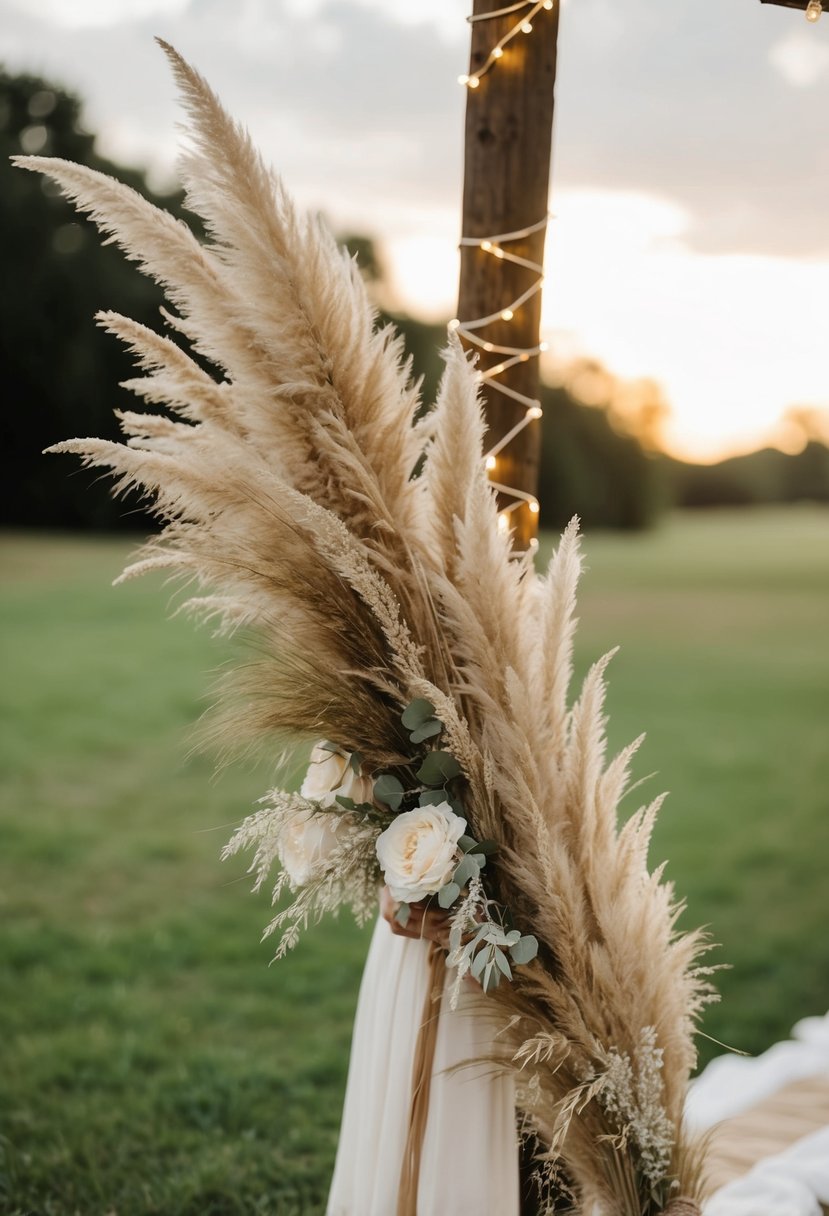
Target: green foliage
{"x": 152, "y": 1061}
{"x": 438, "y": 768}
{"x": 488, "y": 948}
{"x": 448, "y": 894}
{"x": 593, "y": 470}
{"x": 419, "y": 719}
{"x": 389, "y": 790}
{"x": 61, "y": 373}
{"x": 758, "y": 477}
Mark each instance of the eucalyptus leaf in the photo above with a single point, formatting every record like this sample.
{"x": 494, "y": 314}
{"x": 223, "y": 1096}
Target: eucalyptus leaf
{"x": 479, "y": 962}
{"x": 389, "y": 791}
{"x": 492, "y": 978}
{"x": 467, "y": 844}
{"x": 466, "y": 868}
{"x": 417, "y": 712}
{"x": 438, "y": 768}
{"x": 356, "y": 762}
{"x": 402, "y": 915}
{"x": 524, "y": 950}
{"x": 502, "y": 964}
{"x": 432, "y": 798}
{"x": 495, "y": 934}
{"x": 348, "y": 803}
{"x": 469, "y": 951}
{"x": 428, "y": 730}
{"x": 448, "y": 894}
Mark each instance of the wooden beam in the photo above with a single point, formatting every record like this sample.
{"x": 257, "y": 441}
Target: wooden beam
{"x": 801, "y": 4}
{"x": 509, "y": 119}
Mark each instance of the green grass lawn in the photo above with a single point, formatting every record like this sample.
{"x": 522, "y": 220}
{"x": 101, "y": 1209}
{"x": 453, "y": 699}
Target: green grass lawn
{"x": 150, "y": 1061}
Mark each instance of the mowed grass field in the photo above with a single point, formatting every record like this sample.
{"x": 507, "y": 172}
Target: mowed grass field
{"x": 150, "y": 1060}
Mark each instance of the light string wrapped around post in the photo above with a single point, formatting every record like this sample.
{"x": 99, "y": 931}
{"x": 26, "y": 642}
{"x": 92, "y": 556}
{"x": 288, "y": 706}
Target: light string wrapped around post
{"x": 468, "y": 329}
{"x": 523, "y": 25}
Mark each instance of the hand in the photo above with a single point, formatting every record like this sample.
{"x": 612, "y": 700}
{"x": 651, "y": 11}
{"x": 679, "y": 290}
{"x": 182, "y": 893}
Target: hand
{"x": 424, "y": 924}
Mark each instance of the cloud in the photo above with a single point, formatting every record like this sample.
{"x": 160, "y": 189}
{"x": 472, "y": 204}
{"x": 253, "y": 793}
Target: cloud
{"x": 681, "y": 100}
{"x": 347, "y": 104}
{"x": 718, "y": 108}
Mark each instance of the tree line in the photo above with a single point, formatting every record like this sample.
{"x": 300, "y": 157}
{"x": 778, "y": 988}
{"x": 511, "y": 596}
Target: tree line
{"x": 600, "y": 458}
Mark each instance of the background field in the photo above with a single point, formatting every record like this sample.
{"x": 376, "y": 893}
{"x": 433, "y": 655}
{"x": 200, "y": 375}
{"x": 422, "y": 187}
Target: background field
{"x": 150, "y": 1061}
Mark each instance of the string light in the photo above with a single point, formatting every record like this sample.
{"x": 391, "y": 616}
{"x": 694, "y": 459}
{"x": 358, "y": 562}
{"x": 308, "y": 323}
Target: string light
{"x": 814, "y": 10}
{"x": 467, "y": 329}
{"x": 523, "y": 25}
{"x": 525, "y": 11}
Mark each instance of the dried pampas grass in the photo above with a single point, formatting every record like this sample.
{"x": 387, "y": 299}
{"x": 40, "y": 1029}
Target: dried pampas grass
{"x": 286, "y": 485}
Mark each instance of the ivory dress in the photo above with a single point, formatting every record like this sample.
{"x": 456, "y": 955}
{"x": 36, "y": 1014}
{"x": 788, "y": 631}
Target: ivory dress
{"x": 469, "y": 1162}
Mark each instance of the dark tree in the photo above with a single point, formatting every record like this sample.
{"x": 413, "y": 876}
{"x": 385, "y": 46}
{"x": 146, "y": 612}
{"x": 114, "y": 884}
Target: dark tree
{"x": 61, "y": 373}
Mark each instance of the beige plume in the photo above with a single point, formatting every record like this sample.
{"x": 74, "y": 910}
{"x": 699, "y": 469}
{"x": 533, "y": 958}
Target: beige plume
{"x": 359, "y": 547}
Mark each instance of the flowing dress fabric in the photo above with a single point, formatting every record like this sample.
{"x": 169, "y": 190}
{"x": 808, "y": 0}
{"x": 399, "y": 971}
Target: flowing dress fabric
{"x": 469, "y": 1163}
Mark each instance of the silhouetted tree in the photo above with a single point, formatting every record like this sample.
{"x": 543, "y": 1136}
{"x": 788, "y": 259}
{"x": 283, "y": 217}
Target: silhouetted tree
{"x": 60, "y": 372}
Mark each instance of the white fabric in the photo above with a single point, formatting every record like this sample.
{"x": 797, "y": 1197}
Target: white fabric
{"x": 469, "y": 1164}
{"x": 732, "y": 1084}
{"x": 792, "y": 1183}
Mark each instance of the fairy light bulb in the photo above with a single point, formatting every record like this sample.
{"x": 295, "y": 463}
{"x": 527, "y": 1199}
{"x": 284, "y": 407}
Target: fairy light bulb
{"x": 548, "y": 4}
{"x": 527, "y": 27}
{"x": 472, "y": 82}
{"x": 469, "y": 328}
{"x": 542, "y": 346}
{"x": 453, "y": 325}
{"x": 814, "y": 9}
{"x": 497, "y": 52}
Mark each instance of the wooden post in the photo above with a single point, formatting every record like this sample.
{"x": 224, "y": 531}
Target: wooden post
{"x": 509, "y": 119}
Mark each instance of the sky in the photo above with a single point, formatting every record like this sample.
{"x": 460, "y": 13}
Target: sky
{"x": 690, "y": 185}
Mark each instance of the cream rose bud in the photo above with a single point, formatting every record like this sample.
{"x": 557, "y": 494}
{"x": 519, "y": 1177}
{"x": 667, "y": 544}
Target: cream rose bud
{"x": 419, "y": 850}
{"x": 329, "y": 774}
{"x": 306, "y": 841}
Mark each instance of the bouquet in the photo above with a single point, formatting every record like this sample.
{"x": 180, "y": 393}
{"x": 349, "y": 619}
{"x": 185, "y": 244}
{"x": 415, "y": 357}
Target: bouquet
{"x": 313, "y": 504}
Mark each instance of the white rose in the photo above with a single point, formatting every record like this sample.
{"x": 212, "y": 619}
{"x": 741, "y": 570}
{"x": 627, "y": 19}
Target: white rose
{"x": 306, "y": 841}
{"x": 329, "y": 774}
{"x": 419, "y": 850}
